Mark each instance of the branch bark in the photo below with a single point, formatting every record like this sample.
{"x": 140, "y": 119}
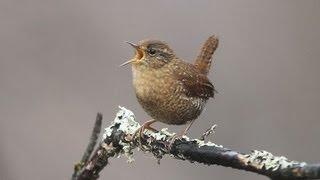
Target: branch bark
{"x": 90, "y": 147}
{"x": 119, "y": 139}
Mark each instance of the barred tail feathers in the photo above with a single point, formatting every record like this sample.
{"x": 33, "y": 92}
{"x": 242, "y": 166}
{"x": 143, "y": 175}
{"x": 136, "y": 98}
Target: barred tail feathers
{"x": 203, "y": 61}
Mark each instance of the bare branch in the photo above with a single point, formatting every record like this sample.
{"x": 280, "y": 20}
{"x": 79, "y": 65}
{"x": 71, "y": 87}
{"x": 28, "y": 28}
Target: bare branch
{"x": 209, "y": 131}
{"x": 92, "y": 143}
{"x": 118, "y": 140}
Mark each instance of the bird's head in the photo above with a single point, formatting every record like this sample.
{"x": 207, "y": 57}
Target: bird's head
{"x": 151, "y": 53}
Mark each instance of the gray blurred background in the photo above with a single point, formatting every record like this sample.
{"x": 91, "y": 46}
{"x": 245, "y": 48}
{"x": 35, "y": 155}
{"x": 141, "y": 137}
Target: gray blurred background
{"x": 59, "y": 67}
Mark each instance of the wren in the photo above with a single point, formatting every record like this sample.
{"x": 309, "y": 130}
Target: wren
{"x": 169, "y": 89}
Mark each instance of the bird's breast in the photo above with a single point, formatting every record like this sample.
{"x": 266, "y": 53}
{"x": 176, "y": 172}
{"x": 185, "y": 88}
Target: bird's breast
{"x": 152, "y": 85}
{"x": 163, "y": 97}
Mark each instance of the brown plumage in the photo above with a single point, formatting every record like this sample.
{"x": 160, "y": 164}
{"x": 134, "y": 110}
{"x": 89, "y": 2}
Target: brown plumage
{"x": 169, "y": 89}
{"x": 203, "y": 61}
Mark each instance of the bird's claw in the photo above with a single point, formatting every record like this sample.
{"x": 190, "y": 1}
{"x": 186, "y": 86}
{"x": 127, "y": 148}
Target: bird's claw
{"x": 140, "y": 131}
{"x": 173, "y": 139}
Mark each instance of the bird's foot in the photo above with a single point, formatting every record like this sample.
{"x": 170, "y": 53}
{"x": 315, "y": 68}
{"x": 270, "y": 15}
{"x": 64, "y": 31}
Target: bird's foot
{"x": 174, "y": 138}
{"x": 180, "y": 135}
{"x": 143, "y": 127}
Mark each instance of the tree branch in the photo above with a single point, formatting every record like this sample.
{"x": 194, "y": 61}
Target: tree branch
{"x": 119, "y": 139}
{"x": 92, "y": 143}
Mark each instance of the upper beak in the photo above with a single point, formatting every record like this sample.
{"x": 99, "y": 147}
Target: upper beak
{"x": 132, "y": 60}
{"x": 133, "y": 45}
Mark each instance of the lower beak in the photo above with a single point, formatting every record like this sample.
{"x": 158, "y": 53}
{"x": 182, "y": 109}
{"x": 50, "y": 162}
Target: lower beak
{"x": 128, "y": 62}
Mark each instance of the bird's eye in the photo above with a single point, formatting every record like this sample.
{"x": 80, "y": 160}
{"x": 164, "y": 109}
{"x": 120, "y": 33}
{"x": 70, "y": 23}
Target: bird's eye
{"x": 152, "y": 52}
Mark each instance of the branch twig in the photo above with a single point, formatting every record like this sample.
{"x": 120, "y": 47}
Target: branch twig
{"x": 118, "y": 140}
{"x": 90, "y": 147}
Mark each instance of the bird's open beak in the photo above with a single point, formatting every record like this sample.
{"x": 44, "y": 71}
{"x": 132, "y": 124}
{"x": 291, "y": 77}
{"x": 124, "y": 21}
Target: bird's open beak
{"x": 138, "y": 54}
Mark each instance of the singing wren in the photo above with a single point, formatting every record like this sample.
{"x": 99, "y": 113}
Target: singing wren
{"x": 169, "y": 89}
